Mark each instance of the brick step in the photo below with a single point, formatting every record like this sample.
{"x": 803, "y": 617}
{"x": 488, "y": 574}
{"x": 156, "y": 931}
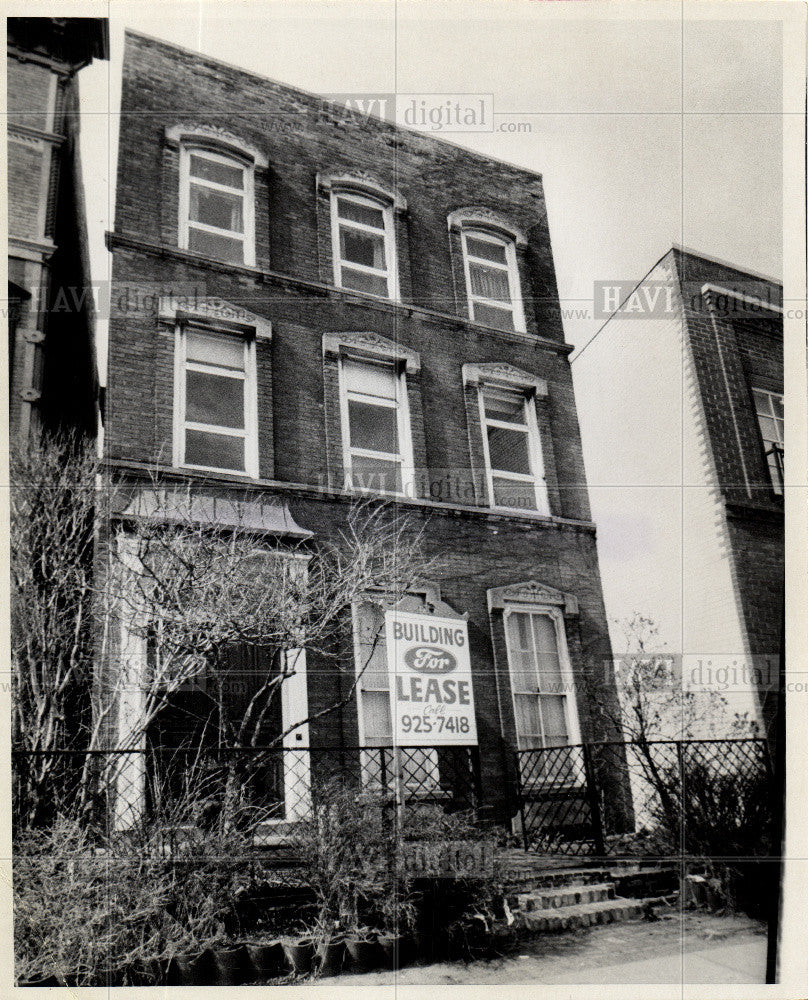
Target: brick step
{"x": 563, "y": 876}
{"x": 564, "y": 896}
{"x": 605, "y": 911}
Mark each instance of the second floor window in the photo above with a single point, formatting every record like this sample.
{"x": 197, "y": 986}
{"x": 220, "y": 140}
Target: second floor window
{"x": 216, "y": 206}
{"x": 514, "y": 464}
{"x": 215, "y": 400}
{"x": 375, "y": 422}
{"x": 769, "y": 409}
{"x": 492, "y": 280}
{"x": 363, "y": 245}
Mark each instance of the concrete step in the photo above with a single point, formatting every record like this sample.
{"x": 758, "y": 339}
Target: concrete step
{"x": 605, "y": 911}
{"x": 563, "y": 896}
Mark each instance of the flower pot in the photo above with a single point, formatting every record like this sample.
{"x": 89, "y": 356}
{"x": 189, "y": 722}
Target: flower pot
{"x": 299, "y": 954}
{"x": 229, "y": 966}
{"x": 267, "y": 959}
{"x": 330, "y": 957}
{"x": 365, "y": 954}
{"x": 192, "y": 969}
{"x": 394, "y": 948}
{"x": 714, "y": 897}
{"x": 149, "y": 972}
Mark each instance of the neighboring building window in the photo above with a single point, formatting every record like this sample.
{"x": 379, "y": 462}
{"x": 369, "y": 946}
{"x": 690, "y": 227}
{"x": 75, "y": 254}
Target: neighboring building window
{"x": 492, "y": 280}
{"x": 364, "y": 248}
{"x": 375, "y": 426}
{"x": 215, "y": 402}
{"x": 419, "y": 765}
{"x": 543, "y": 706}
{"x": 512, "y": 447}
{"x": 216, "y": 206}
{"x": 769, "y": 408}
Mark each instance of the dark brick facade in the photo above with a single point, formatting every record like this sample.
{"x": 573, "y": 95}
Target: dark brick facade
{"x": 53, "y": 382}
{"x": 738, "y": 346}
{"x": 291, "y": 287}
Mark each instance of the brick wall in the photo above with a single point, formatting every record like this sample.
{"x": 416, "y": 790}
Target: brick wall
{"x": 473, "y": 549}
{"x": 735, "y": 349}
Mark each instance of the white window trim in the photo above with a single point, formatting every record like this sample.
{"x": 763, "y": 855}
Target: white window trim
{"x": 510, "y": 267}
{"x": 247, "y": 238}
{"x": 250, "y": 433}
{"x": 570, "y": 702}
{"x": 531, "y": 429}
{"x": 770, "y": 394}
{"x": 391, "y": 272}
{"x": 405, "y": 456}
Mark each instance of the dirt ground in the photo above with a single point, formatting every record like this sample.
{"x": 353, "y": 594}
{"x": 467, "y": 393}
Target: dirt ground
{"x": 679, "y": 947}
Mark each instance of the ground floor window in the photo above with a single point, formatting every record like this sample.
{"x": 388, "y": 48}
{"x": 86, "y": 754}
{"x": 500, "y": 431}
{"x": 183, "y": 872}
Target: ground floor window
{"x": 541, "y": 681}
{"x": 419, "y": 765}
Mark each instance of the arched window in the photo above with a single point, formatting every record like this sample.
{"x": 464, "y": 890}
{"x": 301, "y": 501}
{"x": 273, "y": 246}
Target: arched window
{"x": 492, "y": 279}
{"x": 490, "y": 267}
{"x": 363, "y": 241}
{"x": 216, "y": 204}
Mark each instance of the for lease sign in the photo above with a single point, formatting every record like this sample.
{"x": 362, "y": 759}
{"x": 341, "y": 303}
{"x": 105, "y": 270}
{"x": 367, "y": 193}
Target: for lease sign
{"x": 431, "y": 694}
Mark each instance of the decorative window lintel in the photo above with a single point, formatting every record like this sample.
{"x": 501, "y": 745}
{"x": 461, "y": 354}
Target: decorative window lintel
{"x": 360, "y": 183}
{"x": 371, "y": 345}
{"x": 214, "y": 312}
{"x": 499, "y": 373}
{"x": 479, "y": 217}
{"x": 532, "y": 593}
{"x": 215, "y": 138}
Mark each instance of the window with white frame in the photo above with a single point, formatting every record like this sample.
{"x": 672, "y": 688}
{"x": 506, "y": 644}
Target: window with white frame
{"x": 543, "y": 701}
{"x": 216, "y": 205}
{"x": 492, "y": 280}
{"x": 364, "y": 250}
{"x": 769, "y": 409}
{"x": 215, "y": 404}
{"x": 419, "y": 765}
{"x": 512, "y": 446}
{"x": 375, "y": 425}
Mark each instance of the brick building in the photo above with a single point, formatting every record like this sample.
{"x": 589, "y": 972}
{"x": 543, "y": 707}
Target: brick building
{"x": 686, "y": 379}
{"x": 341, "y": 308}
{"x": 52, "y": 364}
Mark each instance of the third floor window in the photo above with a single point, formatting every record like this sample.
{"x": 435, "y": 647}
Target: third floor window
{"x": 769, "y": 408}
{"x": 216, "y": 206}
{"x": 363, "y": 242}
{"x": 492, "y": 280}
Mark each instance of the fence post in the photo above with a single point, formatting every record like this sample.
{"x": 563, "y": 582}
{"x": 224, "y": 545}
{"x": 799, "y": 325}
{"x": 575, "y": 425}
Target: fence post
{"x": 680, "y": 759}
{"x": 593, "y": 799}
{"x": 520, "y": 801}
{"x": 476, "y": 781}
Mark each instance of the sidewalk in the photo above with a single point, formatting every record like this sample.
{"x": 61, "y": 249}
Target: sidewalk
{"x": 699, "y": 949}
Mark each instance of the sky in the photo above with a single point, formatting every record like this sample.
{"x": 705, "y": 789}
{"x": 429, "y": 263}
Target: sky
{"x": 648, "y": 129}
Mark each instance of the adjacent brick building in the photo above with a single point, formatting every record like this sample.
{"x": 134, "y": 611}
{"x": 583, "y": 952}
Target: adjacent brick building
{"x": 310, "y": 306}
{"x": 52, "y": 363}
{"x": 685, "y": 384}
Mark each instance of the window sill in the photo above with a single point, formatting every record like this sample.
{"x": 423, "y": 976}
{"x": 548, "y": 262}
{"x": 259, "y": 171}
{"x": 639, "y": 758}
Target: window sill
{"x": 260, "y": 275}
